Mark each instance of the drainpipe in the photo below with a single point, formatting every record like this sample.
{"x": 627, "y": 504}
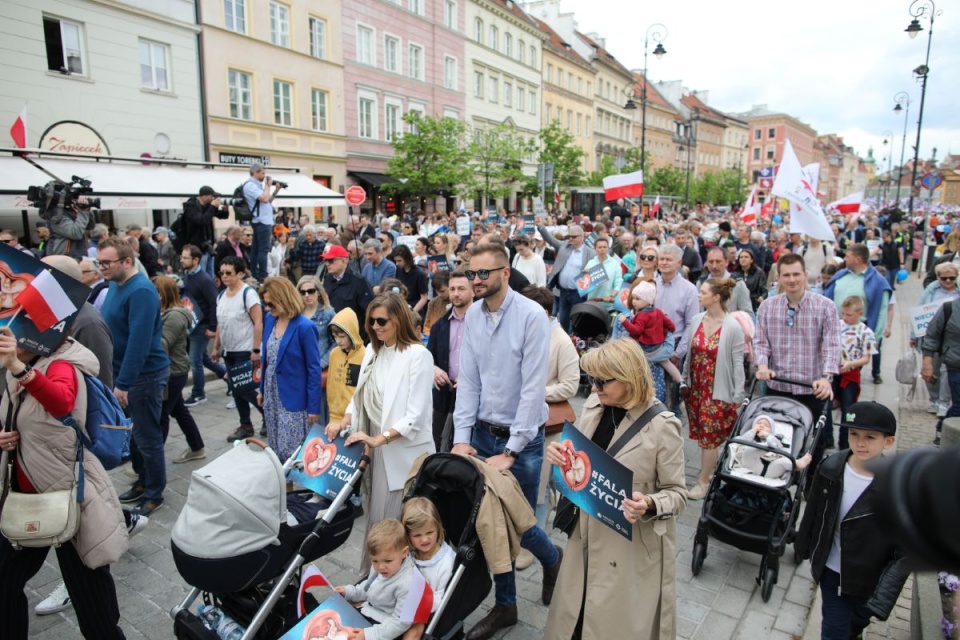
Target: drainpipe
{"x": 204, "y": 131}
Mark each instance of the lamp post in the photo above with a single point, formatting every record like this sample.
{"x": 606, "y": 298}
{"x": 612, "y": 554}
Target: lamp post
{"x": 887, "y": 140}
{"x": 903, "y": 99}
{"x": 657, "y": 33}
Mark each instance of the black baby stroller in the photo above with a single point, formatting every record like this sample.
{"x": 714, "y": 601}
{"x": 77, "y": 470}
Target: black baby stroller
{"x": 455, "y": 485}
{"x": 229, "y": 544}
{"x": 591, "y": 323}
{"x": 751, "y": 511}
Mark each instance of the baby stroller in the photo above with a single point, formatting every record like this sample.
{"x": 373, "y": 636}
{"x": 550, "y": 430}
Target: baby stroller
{"x": 750, "y": 511}
{"x": 591, "y": 327}
{"x": 229, "y": 544}
{"x": 455, "y": 485}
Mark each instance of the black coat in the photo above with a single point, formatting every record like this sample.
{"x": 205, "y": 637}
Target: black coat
{"x": 870, "y": 564}
{"x": 756, "y": 282}
{"x": 350, "y": 291}
{"x": 198, "y": 223}
{"x": 201, "y": 288}
{"x": 439, "y": 348}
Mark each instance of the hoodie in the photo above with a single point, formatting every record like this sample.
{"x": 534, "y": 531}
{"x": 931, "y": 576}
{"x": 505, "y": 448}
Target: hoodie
{"x": 344, "y": 369}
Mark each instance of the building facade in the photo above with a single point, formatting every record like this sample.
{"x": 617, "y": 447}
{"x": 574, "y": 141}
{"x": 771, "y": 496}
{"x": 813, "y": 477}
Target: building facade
{"x": 613, "y": 123}
{"x": 769, "y": 131}
{"x": 661, "y": 147}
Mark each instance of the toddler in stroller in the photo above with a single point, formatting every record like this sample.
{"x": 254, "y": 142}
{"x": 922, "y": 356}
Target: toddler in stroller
{"x": 768, "y": 464}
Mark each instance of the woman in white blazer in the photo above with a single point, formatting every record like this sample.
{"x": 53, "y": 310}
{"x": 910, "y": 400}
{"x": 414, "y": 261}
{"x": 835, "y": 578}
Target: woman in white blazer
{"x": 392, "y": 408}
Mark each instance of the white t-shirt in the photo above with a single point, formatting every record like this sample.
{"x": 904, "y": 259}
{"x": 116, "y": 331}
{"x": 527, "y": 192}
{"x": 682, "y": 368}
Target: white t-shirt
{"x": 532, "y": 268}
{"x": 233, "y": 318}
{"x": 854, "y": 485}
{"x": 438, "y": 571}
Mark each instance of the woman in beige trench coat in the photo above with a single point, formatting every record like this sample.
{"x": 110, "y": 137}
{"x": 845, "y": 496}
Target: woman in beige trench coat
{"x": 609, "y": 585}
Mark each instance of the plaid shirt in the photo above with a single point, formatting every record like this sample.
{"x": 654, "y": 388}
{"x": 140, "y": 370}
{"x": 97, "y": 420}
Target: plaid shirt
{"x": 804, "y": 351}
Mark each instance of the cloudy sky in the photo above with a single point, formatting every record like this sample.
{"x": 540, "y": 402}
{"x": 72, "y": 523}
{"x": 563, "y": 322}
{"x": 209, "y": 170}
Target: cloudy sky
{"x": 834, "y": 64}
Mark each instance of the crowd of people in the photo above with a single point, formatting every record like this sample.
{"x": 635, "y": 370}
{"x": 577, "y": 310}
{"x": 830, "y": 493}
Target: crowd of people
{"x": 413, "y": 338}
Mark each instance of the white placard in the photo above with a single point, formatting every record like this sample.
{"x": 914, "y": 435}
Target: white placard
{"x": 921, "y": 316}
{"x": 463, "y": 226}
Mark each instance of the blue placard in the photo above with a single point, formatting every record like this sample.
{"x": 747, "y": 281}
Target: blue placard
{"x": 437, "y": 263}
{"x": 529, "y": 225}
{"x": 326, "y": 466}
{"x": 591, "y": 279}
{"x": 244, "y": 378}
{"x": 333, "y": 618}
{"x": 594, "y": 481}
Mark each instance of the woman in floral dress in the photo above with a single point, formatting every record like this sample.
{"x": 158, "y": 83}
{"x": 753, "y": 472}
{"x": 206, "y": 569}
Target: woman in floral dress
{"x": 713, "y": 377}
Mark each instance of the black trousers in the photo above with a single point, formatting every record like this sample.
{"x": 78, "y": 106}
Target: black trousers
{"x": 92, "y": 592}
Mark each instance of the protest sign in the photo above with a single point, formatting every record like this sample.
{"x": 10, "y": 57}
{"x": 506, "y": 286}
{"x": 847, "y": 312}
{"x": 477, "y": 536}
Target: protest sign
{"x": 438, "y": 263}
{"x": 921, "y": 316}
{"x": 244, "y": 378}
{"x": 592, "y": 279}
{"x": 622, "y": 301}
{"x": 463, "y": 226}
{"x": 333, "y": 618}
{"x": 323, "y": 466}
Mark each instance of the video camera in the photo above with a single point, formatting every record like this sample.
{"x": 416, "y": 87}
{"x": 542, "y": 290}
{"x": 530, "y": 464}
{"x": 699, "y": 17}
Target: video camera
{"x": 57, "y": 193}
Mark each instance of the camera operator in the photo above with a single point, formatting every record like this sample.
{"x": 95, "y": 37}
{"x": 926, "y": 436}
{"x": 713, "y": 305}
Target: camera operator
{"x": 67, "y": 225}
{"x": 256, "y": 191}
{"x": 198, "y": 215}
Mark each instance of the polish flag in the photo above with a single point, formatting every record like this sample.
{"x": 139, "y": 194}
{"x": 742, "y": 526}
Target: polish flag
{"x": 655, "y": 210}
{"x": 556, "y": 193}
{"x": 45, "y": 301}
{"x": 748, "y": 214}
{"x": 419, "y": 601}
{"x": 18, "y": 130}
{"x": 312, "y": 577}
{"x": 623, "y": 185}
{"x": 767, "y": 209}
{"x": 847, "y": 204}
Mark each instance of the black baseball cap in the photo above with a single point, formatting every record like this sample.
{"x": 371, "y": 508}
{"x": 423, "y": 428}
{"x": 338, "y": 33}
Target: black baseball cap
{"x": 208, "y": 191}
{"x": 869, "y": 416}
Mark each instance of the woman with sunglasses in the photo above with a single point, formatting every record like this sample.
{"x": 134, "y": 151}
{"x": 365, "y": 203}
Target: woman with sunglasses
{"x": 290, "y": 381}
{"x": 608, "y": 583}
{"x": 942, "y": 290}
{"x": 317, "y": 307}
{"x": 391, "y": 411}
{"x": 646, "y": 263}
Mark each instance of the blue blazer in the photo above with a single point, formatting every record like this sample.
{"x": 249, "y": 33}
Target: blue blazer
{"x": 297, "y": 368}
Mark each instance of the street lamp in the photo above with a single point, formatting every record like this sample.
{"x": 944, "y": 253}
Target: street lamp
{"x": 887, "y": 140}
{"x": 903, "y": 99}
{"x": 657, "y": 33}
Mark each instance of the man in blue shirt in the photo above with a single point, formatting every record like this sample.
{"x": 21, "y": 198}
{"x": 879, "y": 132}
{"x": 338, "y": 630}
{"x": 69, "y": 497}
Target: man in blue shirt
{"x": 501, "y": 407}
{"x": 377, "y": 267}
{"x": 256, "y": 191}
{"x": 198, "y": 284}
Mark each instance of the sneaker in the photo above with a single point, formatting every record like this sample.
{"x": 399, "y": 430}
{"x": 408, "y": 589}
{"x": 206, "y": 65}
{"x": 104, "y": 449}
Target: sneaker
{"x": 877, "y": 380}
{"x": 137, "y": 524}
{"x": 240, "y": 433}
{"x": 189, "y": 455}
{"x": 699, "y": 492}
{"x": 942, "y": 409}
{"x": 934, "y": 407}
{"x": 193, "y": 401}
{"x": 524, "y": 560}
{"x": 145, "y": 508}
{"x": 232, "y": 404}
{"x": 56, "y": 602}
{"x": 134, "y": 494}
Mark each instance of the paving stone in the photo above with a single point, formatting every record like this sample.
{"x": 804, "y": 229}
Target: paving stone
{"x": 717, "y": 626}
{"x": 755, "y": 625}
{"x": 791, "y": 618}
{"x": 800, "y": 591}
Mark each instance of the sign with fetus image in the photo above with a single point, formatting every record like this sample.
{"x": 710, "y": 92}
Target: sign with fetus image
{"x": 323, "y": 466}
{"x": 333, "y": 619}
{"x": 593, "y": 480}
{"x": 37, "y": 302}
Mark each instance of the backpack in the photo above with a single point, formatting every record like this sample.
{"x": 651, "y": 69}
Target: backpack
{"x": 241, "y": 210}
{"x": 108, "y": 427}
{"x": 179, "y": 229}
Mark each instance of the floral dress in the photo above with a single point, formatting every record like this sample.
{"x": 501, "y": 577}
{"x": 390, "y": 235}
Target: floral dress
{"x": 286, "y": 430}
{"x": 710, "y": 420}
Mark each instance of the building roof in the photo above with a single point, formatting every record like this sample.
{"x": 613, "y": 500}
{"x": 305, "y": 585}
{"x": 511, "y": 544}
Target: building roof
{"x": 697, "y": 105}
{"x": 513, "y": 8}
{"x": 653, "y": 96}
{"x": 604, "y": 55}
{"x": 558, "y": 45}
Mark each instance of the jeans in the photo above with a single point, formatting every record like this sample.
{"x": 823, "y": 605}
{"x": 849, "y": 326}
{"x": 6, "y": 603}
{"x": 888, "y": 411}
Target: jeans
{"x": 199, "y": 358}
{"x": 526, "y": 469}
{"x": 847, "y": 396}
{"x": 144, "y": 406}
{"x": 953, "y": 377}
{"x": 173, "y": 406}
{"x": 567, "y": 299}
{"x": 892, "y": 277}
{"x": 206, "y": 263}
{"x": 844, "y": 616}
{"x": 262, "y": 242}
{"x": 233, "y": 358}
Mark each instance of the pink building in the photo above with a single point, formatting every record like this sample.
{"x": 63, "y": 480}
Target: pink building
{"x": 769, "y": 131}
{"x": 399, "y": 56}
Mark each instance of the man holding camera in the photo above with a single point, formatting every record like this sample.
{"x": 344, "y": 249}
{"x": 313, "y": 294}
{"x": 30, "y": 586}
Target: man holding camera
{"x": 67, "y": 225}
{"x": 256, "y": 191}
{"x": 198, "y": 215}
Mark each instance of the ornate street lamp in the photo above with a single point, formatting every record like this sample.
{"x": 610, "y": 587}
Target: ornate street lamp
{"x": 902, "y": 99}
{"x": 657, "y": 33}
{"x": 887, "y": 140}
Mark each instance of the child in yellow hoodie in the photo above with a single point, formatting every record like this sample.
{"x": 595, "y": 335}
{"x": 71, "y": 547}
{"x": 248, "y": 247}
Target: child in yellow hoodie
{"x": 345, "y": 360}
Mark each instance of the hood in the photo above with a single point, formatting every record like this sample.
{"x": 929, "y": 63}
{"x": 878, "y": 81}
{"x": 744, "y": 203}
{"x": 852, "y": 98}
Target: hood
{"x": 78, "y": 355}
{"x": 346, "y": 321}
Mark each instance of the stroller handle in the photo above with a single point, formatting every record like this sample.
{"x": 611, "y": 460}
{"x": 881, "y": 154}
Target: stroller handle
{"x": 256, "y": 441}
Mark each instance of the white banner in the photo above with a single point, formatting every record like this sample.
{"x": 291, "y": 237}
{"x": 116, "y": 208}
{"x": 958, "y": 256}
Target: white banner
{"x": 921, "y": 316}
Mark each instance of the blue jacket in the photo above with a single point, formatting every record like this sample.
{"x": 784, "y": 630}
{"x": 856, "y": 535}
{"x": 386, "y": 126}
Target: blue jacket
{"x": 297, "y": 368}
{"x": 439, "y": 348}
{"x": 874, "y": 285}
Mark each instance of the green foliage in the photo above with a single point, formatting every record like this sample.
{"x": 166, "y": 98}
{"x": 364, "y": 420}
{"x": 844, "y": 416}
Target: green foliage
{"x": 495, "y": 162}
{"x": 429, "y": 158}
{"x": 557, "y": 145}
{"x": 665, "y": 181}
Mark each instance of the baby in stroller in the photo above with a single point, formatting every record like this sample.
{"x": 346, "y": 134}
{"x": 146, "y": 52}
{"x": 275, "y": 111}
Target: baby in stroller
{"x": 764, "y": 463}
{"x": 651, "y": 328}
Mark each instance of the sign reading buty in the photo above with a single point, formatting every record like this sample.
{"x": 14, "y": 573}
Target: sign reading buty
{"x": 593, "y": 480}
{"x": 921, "y": 316}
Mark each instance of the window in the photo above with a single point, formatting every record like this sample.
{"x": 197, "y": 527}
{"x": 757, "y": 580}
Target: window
{"x": 416, "y": 6}
{"x": 418, "y": 110}
{"x": 283, "y": 103}
{"x": 569, "y": 81}
{"x": 533, "y": 56}
{"x": 318, "y": 109}
{"x": 64, "y": 47}
{"x": 241, "y": 98}
{"x": 507, "y": 94}
{"x": 392, "y": 121}
{"x": 477, "y": 84}
{"x": 365, "y": 52}
{"x": 449, "y": 72}
{"x": 494, "y": 37}
{"x": 549, "y": 72}
{"x": 771, "y": 132}
{"x": 579, "y": 123}
{"x": 280, "y": 24}
{"x": 559, "y": 76}
{"x": 450, "y": 14}
{"x": 586, "y": 127}
{"x": 391, "y": 54}
{"x": 493, "y": 89}
{"x": 771, "y": 153}
{"x": 416, "y": 62}
{"x": 521, "y": 99}
{"x": 154, "y": 66}
{"x": 569, "y": 120}
{"x": 234, "y": 15}
{"x": 579, "y": 85}
{"x": 588, "y": 89}
{"x": 453, "y": 114}
{"x": 365, "y": 113}
{"x": 757, "y": 134}
{"x": 533, "y": 103}
{"x": 508, "y": 45}
{"x": 522, "y": 52}
{"x": 478, "y": 30}
{"x": 318, "y": 38}
{"x": 548, "y": 111}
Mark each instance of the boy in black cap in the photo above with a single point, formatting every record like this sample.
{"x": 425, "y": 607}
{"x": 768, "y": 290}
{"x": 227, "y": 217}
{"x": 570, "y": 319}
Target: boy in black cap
{"x": 859, "y": 569}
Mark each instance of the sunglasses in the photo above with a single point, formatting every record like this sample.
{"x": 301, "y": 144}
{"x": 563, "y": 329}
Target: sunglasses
{"x": 598, "y": 383}
{"x": 483, "y": 274}
{"x": 947, "y": 278}
{"x": 308, "y": 292}
{"x": 791, "y": 316}
{"x": 227, "y": 273}
{"x": 648, "y": 258}
{"x": 268, "y": 305}
{"x": 380, "y": 322}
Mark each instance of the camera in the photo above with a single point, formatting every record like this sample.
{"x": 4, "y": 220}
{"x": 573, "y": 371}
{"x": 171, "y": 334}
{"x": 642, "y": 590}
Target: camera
{"x": 282, "y": 185}
{"x": 57, "y": 193}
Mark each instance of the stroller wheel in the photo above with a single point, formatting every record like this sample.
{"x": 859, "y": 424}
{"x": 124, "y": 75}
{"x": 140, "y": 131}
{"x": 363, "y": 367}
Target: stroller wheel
{"x": 769, "y": 579}
{"x": 699, "y": 553}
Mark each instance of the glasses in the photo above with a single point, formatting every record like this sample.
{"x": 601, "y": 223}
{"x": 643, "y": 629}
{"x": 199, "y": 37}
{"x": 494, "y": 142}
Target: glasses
{"x": 648, "y": 258}
{"x": 106, "y": 264}
{"x": 227, "y": 273}
{"x": 308, "y": 292}
{"x": 574, "y": 236}
{"x": 7, "y": 240}
{"x": 268, "y": 305}
{"x": 947, "y": 278}
{"x": 483, "y": 274}
{"x": 791, "y": 316}
{"x": 598, "y": 383}
{"x": 248, "y": 235}
{"x": 380, "y": 322}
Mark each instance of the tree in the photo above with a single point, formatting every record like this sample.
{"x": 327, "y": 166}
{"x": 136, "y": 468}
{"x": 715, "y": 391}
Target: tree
{"x": 665, "y": 180}
{"x": 608, "y": 166}
{"x": 558, "y": 146}
{"x": 429, "y": 158}
{"x": 717, "y": 187}
{"x": 495, "y": 162}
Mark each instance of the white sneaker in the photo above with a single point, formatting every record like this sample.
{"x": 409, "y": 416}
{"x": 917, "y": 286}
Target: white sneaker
{"x": 137, "y": 524}
{"x": 232, "y": 404}
{"x": 934, "y": 407}
{"x": 942, "y": 410}
{"x": 55, "y": 602}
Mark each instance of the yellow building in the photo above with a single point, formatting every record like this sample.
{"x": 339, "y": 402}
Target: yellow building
{"x": 709, "y": 126}
{"x": 661, "y": 118}
{"x": 613, "y": 124}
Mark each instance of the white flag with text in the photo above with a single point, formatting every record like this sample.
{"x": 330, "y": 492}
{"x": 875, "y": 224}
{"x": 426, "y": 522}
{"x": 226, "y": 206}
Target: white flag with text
{"x": 792, "y": 185}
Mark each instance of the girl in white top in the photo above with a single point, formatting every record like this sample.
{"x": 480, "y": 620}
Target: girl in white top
{"x": 433, "y": 557}
{"x": 529, "y": 263}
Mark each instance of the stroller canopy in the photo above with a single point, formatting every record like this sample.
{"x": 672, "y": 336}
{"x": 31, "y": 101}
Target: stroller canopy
{"x": 590, "y": 320}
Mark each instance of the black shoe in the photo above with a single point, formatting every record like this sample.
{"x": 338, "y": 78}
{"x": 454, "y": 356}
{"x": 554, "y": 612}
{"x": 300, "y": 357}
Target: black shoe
{"x": 146, "y": 507}
{"x": 263, "y": 431}
{"x": 193, "y": 401}
{"x": 134, "y": 494}
{"x": 241, "y": 433}
{"x": 877, "y": 380}
{"x": 498, "y": 618}
{"x": 550, "y": 578}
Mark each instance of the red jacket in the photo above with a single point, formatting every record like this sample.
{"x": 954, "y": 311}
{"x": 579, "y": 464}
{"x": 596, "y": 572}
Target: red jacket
{"x": 649, "y": 327}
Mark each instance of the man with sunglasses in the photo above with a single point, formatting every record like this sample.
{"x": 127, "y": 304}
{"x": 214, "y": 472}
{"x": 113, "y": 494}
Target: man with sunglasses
{"x": 501, "y": 407}
{"x": 572, "y": 256}
{"x": 9, "y": 238}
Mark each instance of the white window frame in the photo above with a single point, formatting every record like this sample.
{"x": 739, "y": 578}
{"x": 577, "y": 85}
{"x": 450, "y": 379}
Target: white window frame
{"x": 508, "y": 44}
{"x": 522, "y": 51}
{"x": 450, "y": 112}
{"x": 493, "y": 89}
{"x": 398, "y": 53}
{"x": 371, "y": 58}
{"x": 493, "y": 40}
{"x": 239, "y": 18}
{"x": 479, "y": 84}
{"x": 318, "y": 38}
{"x": 366, "y": 96}
{"x": 152, "y": 50}
{"x": 316, "y": 122}
{"x": 521, "y": 97}
{"x": 478, "y": 30}
{"x": 279, "y": 84}
{"x": 66, "y": 52}
{"x": 450, "y": 73}
{"x": 533, "y": 56}
{"x": 394, "y": 132}
{"x": 533, "y": 102}
{"x": 507, "y": 94}
{"x": 280, "y": 24}
{"x": 420, "y": 108}
{"x": 450, "y": 14}
{"x": 244, "y": 94}
{"x": 415, "y": 55}
{"x": 416, "y": 6}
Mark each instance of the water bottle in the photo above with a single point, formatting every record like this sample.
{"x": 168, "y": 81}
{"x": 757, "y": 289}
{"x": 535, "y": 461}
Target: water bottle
{"x": 210, "y": 616}
{"x": 230, "y": 629}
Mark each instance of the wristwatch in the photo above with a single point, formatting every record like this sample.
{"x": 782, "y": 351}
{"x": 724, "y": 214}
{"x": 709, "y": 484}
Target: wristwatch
{"x": 387, "y": 437}
{"x": 828, "y": 377}
{"x": 510, "y": 452}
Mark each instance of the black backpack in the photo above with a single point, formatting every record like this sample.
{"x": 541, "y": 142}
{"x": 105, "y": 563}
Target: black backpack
{"x": 241, "y": 210}
{"x": 179, "y": 235}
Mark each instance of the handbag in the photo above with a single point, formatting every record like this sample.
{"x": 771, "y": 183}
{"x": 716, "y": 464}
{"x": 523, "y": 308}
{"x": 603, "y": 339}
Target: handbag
{"x": 907, "y": 367}
{"x": 568, "y": 514}
{"x": 558, "y": 413}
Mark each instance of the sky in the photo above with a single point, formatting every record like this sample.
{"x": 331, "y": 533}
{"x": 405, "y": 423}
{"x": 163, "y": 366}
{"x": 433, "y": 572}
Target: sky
{"x": 836, "y": 65}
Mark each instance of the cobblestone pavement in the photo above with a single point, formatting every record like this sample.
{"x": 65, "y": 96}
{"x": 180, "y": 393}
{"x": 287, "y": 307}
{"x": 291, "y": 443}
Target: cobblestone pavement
{"x": 722, "y": 602}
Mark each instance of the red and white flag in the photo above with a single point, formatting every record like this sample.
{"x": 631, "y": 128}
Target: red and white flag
{"x": 847, "y": 204}
{"x": 18, "y": 130}
{"x": 556, "y": 193}
{"x": 419, "y": 602}
{"x": 45, "y": 301}
{"x": 792, "y": 185}
{"x": 655, "y": 210}
{"x": 748, "y": 214}
{"x": 623, "y": 185}
{"x": 767, "y": 209}
{"x": 312, "y": 577}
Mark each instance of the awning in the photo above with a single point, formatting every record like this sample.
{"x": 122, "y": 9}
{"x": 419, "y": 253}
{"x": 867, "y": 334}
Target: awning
{"x": 372, "y": 179}
{"x": 149, "y": 186}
